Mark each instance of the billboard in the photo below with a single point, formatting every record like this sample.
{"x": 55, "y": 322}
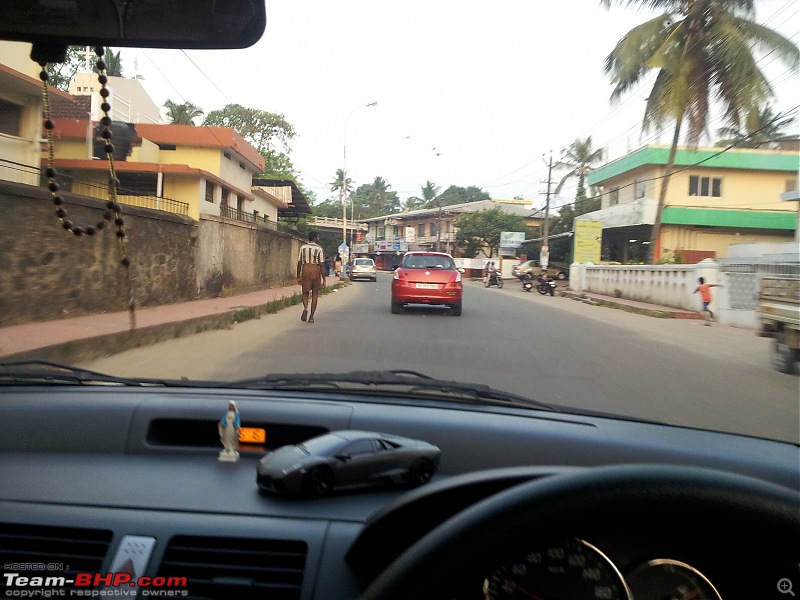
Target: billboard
{"x": 588, "y": 235}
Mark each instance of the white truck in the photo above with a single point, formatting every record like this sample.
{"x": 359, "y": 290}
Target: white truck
{"x": 779, "y": 312}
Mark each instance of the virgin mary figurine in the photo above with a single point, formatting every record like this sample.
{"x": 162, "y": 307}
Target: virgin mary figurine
{"x": 228, "y": 427}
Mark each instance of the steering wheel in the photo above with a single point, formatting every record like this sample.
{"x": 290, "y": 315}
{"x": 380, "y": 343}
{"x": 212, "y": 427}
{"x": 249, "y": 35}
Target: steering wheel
{"x": 633, "y": 498}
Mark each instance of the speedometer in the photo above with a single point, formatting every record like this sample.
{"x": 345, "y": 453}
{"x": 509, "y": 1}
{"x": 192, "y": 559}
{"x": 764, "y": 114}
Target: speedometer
{"x": 570, "y": 569}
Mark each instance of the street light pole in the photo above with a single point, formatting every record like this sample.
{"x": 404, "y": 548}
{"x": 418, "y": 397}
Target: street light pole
{"x": 342, "y": 191}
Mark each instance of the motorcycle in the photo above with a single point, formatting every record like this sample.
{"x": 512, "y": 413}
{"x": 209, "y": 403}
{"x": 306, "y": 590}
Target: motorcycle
{"x": 546, "y": 286}
{"x": 493, "y": 279}
{"x": 527, "y": 282}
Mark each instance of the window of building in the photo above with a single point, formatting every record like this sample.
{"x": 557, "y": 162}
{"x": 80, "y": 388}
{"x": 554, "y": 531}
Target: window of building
{"x": 209, "y": 192}
{"x": 240, "y": 204}
{"x": 705, "y": 186}
{"x": 639, "y": 188}
{"x": 613, "y": 196}
{"x": 381, "y": 233}
{"x": 421, "y": 230}
{"x": 224, "y": 198}
{"x": 791, "y": 185}
{"x": 10, "y": 118}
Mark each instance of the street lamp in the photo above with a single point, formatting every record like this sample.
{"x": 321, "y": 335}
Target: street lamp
{"x": 342, "y": 193}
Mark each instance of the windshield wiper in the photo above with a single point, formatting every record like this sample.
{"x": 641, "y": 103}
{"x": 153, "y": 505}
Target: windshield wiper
{"x": 393, "y": 382}
{"x": 43, "y": 372}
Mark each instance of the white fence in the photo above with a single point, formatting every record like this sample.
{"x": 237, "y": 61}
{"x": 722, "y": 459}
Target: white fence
{"x": 735, "y": 303}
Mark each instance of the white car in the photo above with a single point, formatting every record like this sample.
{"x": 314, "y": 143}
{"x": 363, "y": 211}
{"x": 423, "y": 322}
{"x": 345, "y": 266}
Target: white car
{"x": 363, "y": 268}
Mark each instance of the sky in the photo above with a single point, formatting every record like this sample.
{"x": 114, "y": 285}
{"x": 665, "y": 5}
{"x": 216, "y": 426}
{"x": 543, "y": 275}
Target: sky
{"x": 468, "y": 93}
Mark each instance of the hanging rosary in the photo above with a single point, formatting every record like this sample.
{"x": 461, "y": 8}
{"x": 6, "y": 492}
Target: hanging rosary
{"x": 113, "y": 208}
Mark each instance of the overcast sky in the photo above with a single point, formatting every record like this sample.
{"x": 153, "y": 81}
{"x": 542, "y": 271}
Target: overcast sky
{"x": 468, "y": 93}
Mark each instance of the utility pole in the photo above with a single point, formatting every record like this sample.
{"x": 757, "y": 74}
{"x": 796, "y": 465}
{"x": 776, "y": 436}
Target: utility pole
{"x": 544, "y": 255}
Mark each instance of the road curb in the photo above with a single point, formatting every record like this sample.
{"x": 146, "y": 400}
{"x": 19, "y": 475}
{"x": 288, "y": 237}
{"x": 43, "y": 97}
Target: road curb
{"x": 641, "y": 310}
{"x": 98, "y": 346}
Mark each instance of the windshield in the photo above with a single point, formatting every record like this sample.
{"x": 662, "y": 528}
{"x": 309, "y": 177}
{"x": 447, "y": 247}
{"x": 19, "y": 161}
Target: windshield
{"x": 442, "y": 137}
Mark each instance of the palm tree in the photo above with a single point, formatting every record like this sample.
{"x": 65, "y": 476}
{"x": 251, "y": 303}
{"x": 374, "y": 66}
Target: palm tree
{"x": 182, "y": 114}
{"x": 702, "y": 50}
{"x": 113, "y": 63}
{"x": 578, "y": 157}
{"x": 380, "y": 194}
{"x": 430, "y": 191}
{"x": 765, "y": 128}
{"x": 342, "y": 184}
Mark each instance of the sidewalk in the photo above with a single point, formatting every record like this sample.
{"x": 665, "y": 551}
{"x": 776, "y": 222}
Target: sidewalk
{"x": 69, "y": 340}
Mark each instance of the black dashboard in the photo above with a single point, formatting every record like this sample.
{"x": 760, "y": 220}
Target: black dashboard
{"x": 124, "y": 483}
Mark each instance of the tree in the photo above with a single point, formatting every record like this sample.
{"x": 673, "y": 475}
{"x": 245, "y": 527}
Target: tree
{"x": 342, "y": 184}
{"x": 765, "y": 128}
{"x": 182, "y": 114}
{"x": 269, "y": 133}
{"x": 459, "y": 195}
{"x": 113, "y": 63}
{"x": 480, "y": 230}
{"x": 578, "y": 157}
{"x": 375, "y": 199}
{"x": 702, "y": 50}
{"x": 61, "y": 74}
{"x": 266, "y": 131}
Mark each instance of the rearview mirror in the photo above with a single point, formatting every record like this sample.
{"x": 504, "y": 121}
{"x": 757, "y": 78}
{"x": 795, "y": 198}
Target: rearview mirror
{"x": 189, "y": 24}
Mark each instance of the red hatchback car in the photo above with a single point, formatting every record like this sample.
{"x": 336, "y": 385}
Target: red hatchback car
{"x": 427, "y": 278}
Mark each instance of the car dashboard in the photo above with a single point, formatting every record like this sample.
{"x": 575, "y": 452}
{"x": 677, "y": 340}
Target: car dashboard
{"x": 119, "y": 489}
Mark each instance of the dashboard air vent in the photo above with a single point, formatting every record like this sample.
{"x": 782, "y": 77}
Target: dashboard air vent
{"x": 242, "y": 568}
{"x": 46, "y": 551}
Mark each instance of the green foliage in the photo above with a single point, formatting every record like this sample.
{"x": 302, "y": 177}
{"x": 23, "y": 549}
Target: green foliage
{"x": 375, "y": 199}
{"x": 481, "y": 230}
{"x": 182, "y": 114}
{"x": 266, "y": 131}
{"x": 578, "y": 159}
{"x": 113, "y": 62}
{"x": 432, "y": 198}
{"x": 61, "y": 74}
{"x": 761, "y": 129}
{"x": 269, "y": 133}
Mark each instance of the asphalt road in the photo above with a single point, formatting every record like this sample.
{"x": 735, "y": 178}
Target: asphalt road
{"x": 552, "y": 349}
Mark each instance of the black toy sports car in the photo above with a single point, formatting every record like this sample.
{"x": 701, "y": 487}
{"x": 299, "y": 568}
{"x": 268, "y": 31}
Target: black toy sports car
{"x": 347, "y": 459}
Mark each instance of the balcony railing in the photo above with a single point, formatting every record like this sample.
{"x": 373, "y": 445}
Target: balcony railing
{"x": 157, "y": 203}
{"x": 230, "y": 212}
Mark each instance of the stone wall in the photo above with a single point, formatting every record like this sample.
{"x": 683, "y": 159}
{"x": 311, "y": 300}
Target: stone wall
{"x": 234, "y": 256}
{"x": 47, "y": 273}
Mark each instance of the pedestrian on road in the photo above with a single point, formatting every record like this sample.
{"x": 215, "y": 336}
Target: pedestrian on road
{"x": 705, "y": 295}
{"x": 337, "y": 266}
{"x": 311, "y": 274}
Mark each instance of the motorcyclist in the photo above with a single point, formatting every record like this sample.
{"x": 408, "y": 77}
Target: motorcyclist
{"x": 543, "y": 278}
{"x": 491, "y": 274}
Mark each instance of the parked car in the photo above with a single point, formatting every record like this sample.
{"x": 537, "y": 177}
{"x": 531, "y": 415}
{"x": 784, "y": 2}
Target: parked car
{"x": 532, "y": 268}
{"x": 346, "y": 459}
{"x": 363, "y": 268}
{"x": 427, "y": 278}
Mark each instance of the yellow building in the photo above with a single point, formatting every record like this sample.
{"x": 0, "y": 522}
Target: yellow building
{"x": 179, "y": 168}
{"x": 21, "y": 114}
{"x": 715, "y": 198}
